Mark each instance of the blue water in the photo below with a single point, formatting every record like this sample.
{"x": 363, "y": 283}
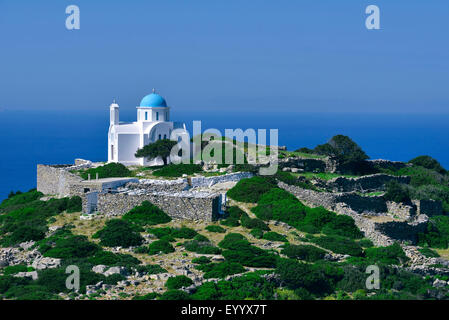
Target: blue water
{"x": 55, "y": 137}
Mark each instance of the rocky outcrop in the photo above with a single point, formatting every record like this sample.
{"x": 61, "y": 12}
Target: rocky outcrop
{"x": 368, "y": 183}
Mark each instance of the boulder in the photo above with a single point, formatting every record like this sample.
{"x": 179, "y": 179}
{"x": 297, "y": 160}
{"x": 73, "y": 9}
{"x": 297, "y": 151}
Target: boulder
{"x": 42, "y": 263}
{"x": 116, "y": 270}
{"x": 99, "y": 268}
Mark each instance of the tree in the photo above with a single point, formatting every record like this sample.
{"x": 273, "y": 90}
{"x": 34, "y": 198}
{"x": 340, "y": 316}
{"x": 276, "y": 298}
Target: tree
{"x": 428, "y": 163}
{"x": 161, "y": 148}
{"x": 350, "y": 156}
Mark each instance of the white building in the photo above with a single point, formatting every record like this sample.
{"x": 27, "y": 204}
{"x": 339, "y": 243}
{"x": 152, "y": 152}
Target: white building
{"x": 153, "y": 123}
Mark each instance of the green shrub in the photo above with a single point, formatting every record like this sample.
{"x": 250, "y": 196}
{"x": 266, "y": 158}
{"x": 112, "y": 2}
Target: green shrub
{"x": 151, "y": 269}
{"x": 146, "y": 214}
{"x": 201, "y": 238}
{"x": 233, "y": 241}
{"x": 113, "y": 259}
{"x": 304, "y": 252}
{"x": 201, "y": 260}
{"x": 160, "y": 246}
{"x": 170, "y": 234}
{"x": 177, "y": 170}
{"x": 201, "y": 247}
{"x": 249, "y": 286}
{"x": 397, "y": 192}
{"x": 148, "y": 296}
{"x": 257, "y": 233}
{"x": 110, "y": 170}
{"x": 437, "y": 233}
{"x": 274, "y": 236}
{"x": 429, "y": 253}
{"x": 178, "y": 282}
{"x": 21, "y": 198}
{"x": 251, "y": 189}
{"x": 250, "y": 256}
{"x": 339, "y": 244}
{"x": 64, "y": 245}
{"x": 174, "y": 295}
{"x": 221, "y": 270}
{"x": 392, "y": 254}
{"x": 118, "y": 233}
{"x": 256, "y": 223}
{"x": 214, "y": 228}
{"x": 428, "y": 163}
{"x": 366, "y": 243}
{"x": 9, "y": 270}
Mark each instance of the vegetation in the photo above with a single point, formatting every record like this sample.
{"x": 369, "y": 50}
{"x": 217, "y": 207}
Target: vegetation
{"x": 119, "y": 232}
{"x": 161, "y": 148}
{"x": 221, "y": 270}
{"x": 178, "y": 282}
{"x": 214, "y": 228}
{"x": 146, "y": 214}
{"x": 251, "y": 189}
{"x": 110, "y": 170}
{"x": 303, "y": 252}
{"x": 397, "y": 192}
{"x": 274, "y": 236}
{"x": 177, "y": 170}
{"x": 428, "y": 163}
{"x": 160, "y": 246}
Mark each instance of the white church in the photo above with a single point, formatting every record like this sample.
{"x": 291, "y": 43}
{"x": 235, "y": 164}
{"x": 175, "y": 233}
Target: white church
{"x": 153, "y": 123}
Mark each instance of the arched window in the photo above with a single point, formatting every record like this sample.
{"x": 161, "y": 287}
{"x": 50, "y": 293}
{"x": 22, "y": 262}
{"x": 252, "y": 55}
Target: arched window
{"x": 165, "y": 136}
{"x": 146, "y": 115}
{"x": 157, "y": 116}
{"x": 160, "y": 137}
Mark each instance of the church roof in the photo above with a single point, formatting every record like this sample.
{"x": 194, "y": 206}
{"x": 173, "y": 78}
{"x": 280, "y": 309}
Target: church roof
{"x": 153, "y": 100}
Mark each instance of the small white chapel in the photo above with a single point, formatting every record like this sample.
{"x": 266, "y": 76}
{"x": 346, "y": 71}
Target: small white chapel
{"x": 153, "y": 123}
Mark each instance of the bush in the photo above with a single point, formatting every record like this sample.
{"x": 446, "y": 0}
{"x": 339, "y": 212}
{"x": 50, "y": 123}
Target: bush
{"x": 428, "y": 163}
{"x": 151, "y": 269}
{"x": 249, "y": 286}
{"x": 397, "y": 192}
{"x": 233, "y": 241}
{"x": 214, "y": 228}
{"x": 160, "y": 246}
{"x": 304, "y": 252}
{"x": 316, "y": 279}
{"x": 170, "y": 234}
{"x": 230, "y": 222}
{"x": 221, "y": 270}
{"x": 109, "y": 170}
{"x": 18, "y": 198}
{"x": 113, "y": 259}
{"x": 118, "y": 233}
{"x": 201, "y": 260}
{"x": 429, "y": 253}
{"x": 178, "y": 282}
{"x": 201, "y": 247}
{"x": 15, "y": 269}
{"x": 274, "y": 236}
{"x": 249, "y": 223}
{"x": 64, "y": 245}
{"x": 339, "y": 244}
{"x": 146, "y": 214}
{"x": 174, "y": 295}
{"x": 251, "y": 189}
{"x": 250, "y": 256}
{"x": 177, "y": 170}
{"x": 392, "y": 254}
{"x": 257, "y": 233}
{"x": 437, "y": 233}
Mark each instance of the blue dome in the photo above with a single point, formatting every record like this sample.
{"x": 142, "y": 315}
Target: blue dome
{"x": 153, "y": 100}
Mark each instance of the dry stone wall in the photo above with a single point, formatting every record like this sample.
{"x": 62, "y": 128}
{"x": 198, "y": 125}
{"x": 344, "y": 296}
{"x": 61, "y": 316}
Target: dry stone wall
{"x": 374, "y": 182}
{"x": 55, "y": 180}
{"x": 183, "y": 205}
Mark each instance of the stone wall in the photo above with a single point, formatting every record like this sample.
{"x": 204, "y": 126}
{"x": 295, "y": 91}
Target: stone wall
{"x": 403, "y": 231}
{"x": 360, "y": 204}
{"x": 401, "y": 210}
{"x": 183, "y": 205}
{"x": 55, "y": 180}
{"x": 159, "y": 185}
{"x": 428, "y": 207}
{"x": 308, "y": 164}
{"x": 387, "y": 164}
{"x": 196, "y": 182}
{"x": 374, "y": 182}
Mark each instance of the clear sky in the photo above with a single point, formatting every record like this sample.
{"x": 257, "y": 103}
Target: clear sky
{"x": 294, "y": 55}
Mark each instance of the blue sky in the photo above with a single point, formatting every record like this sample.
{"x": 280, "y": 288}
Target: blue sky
{"x": 299, "y": 56}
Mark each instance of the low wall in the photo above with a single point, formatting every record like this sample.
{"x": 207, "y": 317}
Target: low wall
{"x": 366, "y": 205}
{"x": 387, "y": 164}
{"x": 428, "y": 207}
{"x": 308, "y": 164}
{"x": 210, "y": 181}
{"x": 372, "y": 182}
{"x": 183, "y": 205}
{"x": 55, "y": 180}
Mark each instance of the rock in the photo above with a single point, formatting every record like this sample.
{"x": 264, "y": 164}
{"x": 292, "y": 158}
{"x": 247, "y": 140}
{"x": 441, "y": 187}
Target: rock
{"x": 116, "y": 270}
{"x": 286, "y": 169}
{"x": 439, "y": 283}
{"x": 3, "y": 263}
{"x": 294, "y": 170}
{"x": 42, "y": 263}
{"x": 99, "y": 268}
{"x": 31, "y": 275}
{"x": 27, "y": 245}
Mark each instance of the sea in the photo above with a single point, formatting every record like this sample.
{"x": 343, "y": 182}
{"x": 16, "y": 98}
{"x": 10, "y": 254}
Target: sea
{"x": 31, "y": 137}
